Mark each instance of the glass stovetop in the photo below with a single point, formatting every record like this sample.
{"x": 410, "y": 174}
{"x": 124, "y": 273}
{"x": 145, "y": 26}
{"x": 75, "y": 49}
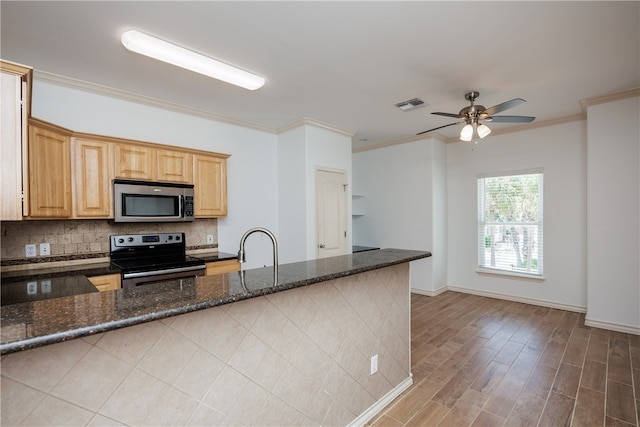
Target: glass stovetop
{"x": 131, "y": 265}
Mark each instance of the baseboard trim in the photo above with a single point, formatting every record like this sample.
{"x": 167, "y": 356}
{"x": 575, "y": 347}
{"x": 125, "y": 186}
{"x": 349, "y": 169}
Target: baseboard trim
{"x": 378, "y": 406}
{"x": 429, "y": 293}
{"x": 532, "y": 301}
{"x": 627, "y": 329}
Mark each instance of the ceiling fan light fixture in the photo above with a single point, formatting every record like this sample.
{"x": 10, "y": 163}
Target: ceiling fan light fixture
{"x": 483, "y": 130}
{"x": 466, "y": 134}
{"x": 145, "y": 44}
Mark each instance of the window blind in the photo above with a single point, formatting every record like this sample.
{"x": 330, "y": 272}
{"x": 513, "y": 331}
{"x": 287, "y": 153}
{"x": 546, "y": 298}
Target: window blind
{"x": 510, "y": 222}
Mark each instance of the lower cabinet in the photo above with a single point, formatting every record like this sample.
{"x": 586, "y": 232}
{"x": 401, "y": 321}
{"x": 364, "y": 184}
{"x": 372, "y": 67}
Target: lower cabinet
{"x": 220, "y": 267}
{"x": 108, "y": 282}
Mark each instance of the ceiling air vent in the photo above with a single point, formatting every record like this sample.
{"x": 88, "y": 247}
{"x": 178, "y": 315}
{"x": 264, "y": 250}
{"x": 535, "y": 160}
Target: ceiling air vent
{"x": 411, "y": 104}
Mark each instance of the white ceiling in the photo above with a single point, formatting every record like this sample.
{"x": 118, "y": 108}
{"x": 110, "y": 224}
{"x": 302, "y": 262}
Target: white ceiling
{"x": 344, "y": 64}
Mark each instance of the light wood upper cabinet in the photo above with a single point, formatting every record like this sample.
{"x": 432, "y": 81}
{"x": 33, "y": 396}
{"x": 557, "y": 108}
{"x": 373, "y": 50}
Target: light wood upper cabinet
{"x": 15, "y": 86}
{"x": 49, "y": 153}
{"x": 92, "y": 175}
{"x": 174, "y": 166}
{"x": 135, "y": 162}
{"x": 210, "y": 180}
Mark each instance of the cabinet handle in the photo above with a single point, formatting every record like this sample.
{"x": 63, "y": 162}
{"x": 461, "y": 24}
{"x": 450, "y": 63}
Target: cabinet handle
{"x": 321, "y": 246}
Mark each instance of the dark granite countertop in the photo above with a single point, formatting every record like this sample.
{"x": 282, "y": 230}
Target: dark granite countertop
{"x": 38, "y": 323}
{"x": 88, "y": 270}
{"x": 356, "y": 248}
{"x": 44, "y": 287}
{"x": 55, "y": 282}
{"x": 214, "y": 256}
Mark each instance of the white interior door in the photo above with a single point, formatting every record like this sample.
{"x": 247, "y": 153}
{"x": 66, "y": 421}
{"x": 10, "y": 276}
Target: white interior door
{"x": 331, "y": 212}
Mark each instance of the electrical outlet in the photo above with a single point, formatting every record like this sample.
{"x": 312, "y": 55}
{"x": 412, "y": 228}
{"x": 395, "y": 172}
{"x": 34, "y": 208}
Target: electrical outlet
{"x": 30, "y": 250}
{"x": 209, "y": 239}
{"x": 374, "y": 364}
{"x": 32, "y": 287}
{"x": 45, "y": 249}
{"x": 45, "y": 286}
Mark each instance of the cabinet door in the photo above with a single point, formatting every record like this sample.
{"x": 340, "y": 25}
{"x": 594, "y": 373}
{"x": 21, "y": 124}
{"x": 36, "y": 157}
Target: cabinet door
{"x": 11, "y": 122}
{"x": 92, "y": 195}
{"x": 135, "y": 162}
{"x": 175, "y": 166}
{"x": 210, "y": 181}
{"x": 108, "y": 282}
{"x": 49, "y": 155}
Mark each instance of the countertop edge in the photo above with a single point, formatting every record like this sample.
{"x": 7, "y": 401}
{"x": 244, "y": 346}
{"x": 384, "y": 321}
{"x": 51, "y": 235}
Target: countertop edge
{"x": 84, "y": 331}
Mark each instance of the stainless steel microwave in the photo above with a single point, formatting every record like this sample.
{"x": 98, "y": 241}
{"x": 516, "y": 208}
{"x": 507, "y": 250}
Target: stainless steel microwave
{"x": 143, "y": 201}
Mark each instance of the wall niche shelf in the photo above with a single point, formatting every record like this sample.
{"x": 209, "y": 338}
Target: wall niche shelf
{"x": 356, "y": 208}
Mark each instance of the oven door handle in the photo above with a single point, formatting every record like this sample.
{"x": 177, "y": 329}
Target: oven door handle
{"x": 167, "y": 271}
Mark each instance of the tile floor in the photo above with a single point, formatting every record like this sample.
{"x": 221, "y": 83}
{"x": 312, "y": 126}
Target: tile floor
{"x": 480, "y": 361}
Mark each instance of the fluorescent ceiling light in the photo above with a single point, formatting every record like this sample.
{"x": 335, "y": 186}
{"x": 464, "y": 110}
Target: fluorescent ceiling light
{"x": 161, "y": 50}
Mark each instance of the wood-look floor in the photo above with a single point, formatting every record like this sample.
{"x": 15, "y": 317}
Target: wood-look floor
{"x": 480, "y": 361}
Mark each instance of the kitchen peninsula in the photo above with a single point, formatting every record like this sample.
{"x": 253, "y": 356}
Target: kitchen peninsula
{"x": 225, "y": 349}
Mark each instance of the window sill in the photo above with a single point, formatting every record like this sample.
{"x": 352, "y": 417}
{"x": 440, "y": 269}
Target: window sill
{"x": 495, "y": 272}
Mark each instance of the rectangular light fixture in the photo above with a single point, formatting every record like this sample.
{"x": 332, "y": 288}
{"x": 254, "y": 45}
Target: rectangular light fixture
{"x": 144, "y": 44}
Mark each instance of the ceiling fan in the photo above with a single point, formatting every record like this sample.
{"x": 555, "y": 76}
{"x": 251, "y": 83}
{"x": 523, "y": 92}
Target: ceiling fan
{"x": 474, "y": 115}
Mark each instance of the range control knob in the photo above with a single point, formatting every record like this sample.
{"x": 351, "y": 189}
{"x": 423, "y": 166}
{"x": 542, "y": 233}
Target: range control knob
{"x": 177, "y": 237}
{"x": 130, "y": 239}
{"x": 121, "y": 240}
{"x": 170, "y": 238}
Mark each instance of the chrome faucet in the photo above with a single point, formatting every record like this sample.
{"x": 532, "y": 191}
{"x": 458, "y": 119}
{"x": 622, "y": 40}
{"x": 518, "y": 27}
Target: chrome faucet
{"x": 242, "y": 256}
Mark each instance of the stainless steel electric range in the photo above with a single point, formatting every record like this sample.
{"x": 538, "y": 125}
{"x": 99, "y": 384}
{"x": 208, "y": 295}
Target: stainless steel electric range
{"x": 150, "y": 258}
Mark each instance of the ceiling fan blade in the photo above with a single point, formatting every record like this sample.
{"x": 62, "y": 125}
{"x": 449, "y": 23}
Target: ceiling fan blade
{"x": 439, "y": 127}
{"x": 510, "y": 119}
{"x": 455, "y": 116}
{"x": 504, "y": 106}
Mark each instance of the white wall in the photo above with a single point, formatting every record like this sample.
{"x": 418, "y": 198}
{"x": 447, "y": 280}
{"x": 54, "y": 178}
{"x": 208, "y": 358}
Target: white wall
{"x": 560, "y": 150}
{"x": 398, "y": 188}
{"x": 292, "y": 197}
{"x": 440, "y": 221}
{"x": 329, "y": 149}
{"x": 300, "y": 151}
{"x": 614, "y": 215}
{"x": 252, "y": 167}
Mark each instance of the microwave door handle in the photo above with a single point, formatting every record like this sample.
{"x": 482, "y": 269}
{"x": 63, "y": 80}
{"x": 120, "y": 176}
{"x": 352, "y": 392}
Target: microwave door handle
{"x": 181, "y": 213}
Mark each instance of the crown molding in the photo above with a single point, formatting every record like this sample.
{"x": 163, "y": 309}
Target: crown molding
{"x": 46, "y": 77}
{"x": 616, "y": 96}
{"x": 311, "y": 122}
{"x": 520, "y": 128}
{"x": 158, "y": 103}
{"x": 533, "y": 125}
{"x": 72, "y": 83}
{"x": 400, "y": 141}
{"x": 584, "y": 104}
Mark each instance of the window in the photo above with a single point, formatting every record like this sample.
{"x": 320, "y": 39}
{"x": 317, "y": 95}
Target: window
{"x": 510, "y": 222}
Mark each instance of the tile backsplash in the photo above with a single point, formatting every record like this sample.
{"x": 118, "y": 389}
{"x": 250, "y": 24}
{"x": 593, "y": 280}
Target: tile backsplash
{"x": 91, "y": 237}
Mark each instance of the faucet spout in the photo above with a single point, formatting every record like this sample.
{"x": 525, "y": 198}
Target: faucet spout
{"x": 242, "y": 255}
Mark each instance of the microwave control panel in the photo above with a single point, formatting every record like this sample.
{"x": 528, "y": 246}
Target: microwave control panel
{"x": 188, "y": 206}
